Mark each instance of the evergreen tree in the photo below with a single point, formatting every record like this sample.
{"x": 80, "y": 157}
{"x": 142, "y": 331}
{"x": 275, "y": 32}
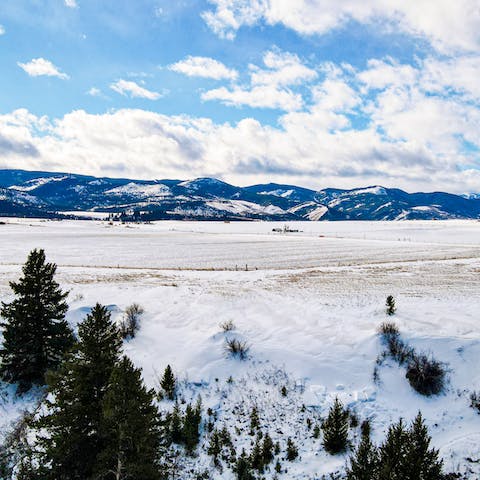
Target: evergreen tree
{"x": 254, "y": 420}
{"x": 72, "y": 439}
{"x": 335, "y": 429}
{"x": 36, "y": 334}
{"x": 169, "y": 383}
{"x": 390, "y": 304}
{"x": 175, "y": 425}
{"x": 243, "y": 469}
{"x": 421, "y": 462}
{"x": 215, "y": 447}
{"x": 191, "y": 426}
{"x": 292, "y": 450}
{"x": 393, "y": 452}
{"x": 256, "y": 457}
{"x": 364, "y": 463}
{"x": 129, "y": 428}
{"x": 267, "y": 449}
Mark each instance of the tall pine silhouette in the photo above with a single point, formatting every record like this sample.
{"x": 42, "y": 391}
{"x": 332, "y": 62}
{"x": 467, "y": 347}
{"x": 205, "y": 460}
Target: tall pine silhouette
{"x": 73, "y": 441}
{"x": 36, "y": 334}
{"x": 130, "y": 428}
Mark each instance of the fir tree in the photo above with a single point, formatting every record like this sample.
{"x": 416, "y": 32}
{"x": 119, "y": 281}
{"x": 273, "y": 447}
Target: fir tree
{"x": 267, "y": 449}
{"x": 256, "y": 457}
{"x": 169, "y": 383}
{"x": 175, "y": 425}
{"x": 421, "y": 462}
{"x": 191, "y": 426}
{"x": 129, "y": 428}
{"x": 292, "y": 450}
{"x": 254, "y": 420}
{"x": 335, "y": 429}
{"x": 364, "y": 463}
{"x": 243, "y": 469}
{"x": 390, "y": 304}
{"x": 393, "y": 452}
{"x": 36, "y": 334}
{"x": 72, "y": 439}
{"x": 215, "y": 447}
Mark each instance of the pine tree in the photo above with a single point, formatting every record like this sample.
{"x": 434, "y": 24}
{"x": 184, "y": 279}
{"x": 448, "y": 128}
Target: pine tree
{"x": 364, "y": 463}
{"x": 421, "y": 462}
{"x": 215, "y": 447}
{"x": 393, "y": 452}
{"x": 254, "y": 420}
{"x": 335, "y": 429}
{"x": 292, "y": 450}
{"x": 175, "y": 425}
{"x": 36, "y": 334}
{"x": 390, "y": 304}
{"x": 169, "y": 383}
{"x": 243, "y": 469}
{"x": 191, "y": 426}
{"x": 72, "y": 439}
{"x": 256, "y": 457}
{"x": 267, "y": 449}
{"x": 129, "y": 428}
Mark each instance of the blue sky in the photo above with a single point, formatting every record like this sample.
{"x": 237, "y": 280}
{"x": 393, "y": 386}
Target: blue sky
{"x": 316, "y": 92}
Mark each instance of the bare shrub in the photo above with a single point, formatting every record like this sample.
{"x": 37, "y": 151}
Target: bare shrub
{"x": 388, "y": 330}
{"x": 475, "y": 401}
{"x": 227, "y": 326}
{"x": 131, "y": 320}
{"x": 237, "y": 348}
{"x": 426, "y": 375}
{"x": 400, "y": 351}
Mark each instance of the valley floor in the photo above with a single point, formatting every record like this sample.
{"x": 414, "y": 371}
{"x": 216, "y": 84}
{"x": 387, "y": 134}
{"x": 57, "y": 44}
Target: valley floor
{"x": 308, "y": 304}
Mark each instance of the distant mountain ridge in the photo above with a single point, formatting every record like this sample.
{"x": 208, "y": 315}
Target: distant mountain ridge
{"x": 59, "y": 195}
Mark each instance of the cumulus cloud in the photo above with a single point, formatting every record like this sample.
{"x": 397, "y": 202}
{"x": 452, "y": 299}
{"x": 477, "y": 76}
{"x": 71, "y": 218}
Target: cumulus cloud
{"x": 134, "y": 90}
{"x": 94, "y": 92}
{"x": 2, "y": 30}
{"x": 269, "y": 85}
{"x": 446, "y": 24}
{"x": 204, "y": 67}
{"x": 71, "y": 3}
{"x": 40, "y": 67}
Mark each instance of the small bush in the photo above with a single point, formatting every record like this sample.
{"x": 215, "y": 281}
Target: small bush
{"x": 227, "y": 326}
{"x": 390, "y": 304}
{"x": 475, "y": 401}
{"x": 400, "y": 351}
{"x": 131, "y": 320}
{"x": 388, "y": 330}
{"x": 237, "y": 348}
{"x": 426, "y": 375}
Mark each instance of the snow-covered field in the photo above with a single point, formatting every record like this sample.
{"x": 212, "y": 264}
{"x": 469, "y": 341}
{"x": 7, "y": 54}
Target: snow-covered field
{"x": 308, "y": 304}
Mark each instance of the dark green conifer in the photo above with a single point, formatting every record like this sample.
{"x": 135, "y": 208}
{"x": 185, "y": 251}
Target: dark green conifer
{"x": 72, "y": 440}
{"x": 191, "y": 426}
{"x": 243, "y": 469}
{"x": 421, "y": 462}
{"x": 175, "y": 425}
{"x": 335, "y": 429}
{"x": 129, "y": 428}
{"x": 169, "y": 383}
{"x": 390, "y": 304}
{"x": 267, "y": 449}
{"x": 36, "y": 334}
{"x": 393, "y": 452}
{"x": 256, "y": 457}
{"x": 364, "y": 463}
{"x": 292, "y": 450}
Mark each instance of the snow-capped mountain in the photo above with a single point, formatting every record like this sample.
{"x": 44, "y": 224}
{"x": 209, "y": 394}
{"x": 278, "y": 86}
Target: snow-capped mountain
{"x": 34, "y": 194}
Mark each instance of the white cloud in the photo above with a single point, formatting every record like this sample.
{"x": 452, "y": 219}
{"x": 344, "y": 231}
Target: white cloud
{"x": 71, "y": 3}
{"x": 446, "y": 24}
{"x": 2, "y": 30}
{"x": 134, "y": 90}
{"x": 40, "y": 67}
{"x": 204, "y": 67}
{"x": 262, "y": 96}
{"x": 94, "y": 92}
{"x": 269, "y": 85}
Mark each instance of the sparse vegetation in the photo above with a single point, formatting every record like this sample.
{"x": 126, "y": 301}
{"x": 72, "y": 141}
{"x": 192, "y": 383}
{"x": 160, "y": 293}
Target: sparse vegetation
{"x": 227, "y": 326}
{"x": 131, "y": 320}
{"x": 426, "y": 375}
{"x": 237, "y": 348}
{"x": 390, "y": 304}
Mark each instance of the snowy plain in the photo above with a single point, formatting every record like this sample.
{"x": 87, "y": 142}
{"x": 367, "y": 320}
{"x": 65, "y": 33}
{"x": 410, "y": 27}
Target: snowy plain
{"x": 308, "y": 304}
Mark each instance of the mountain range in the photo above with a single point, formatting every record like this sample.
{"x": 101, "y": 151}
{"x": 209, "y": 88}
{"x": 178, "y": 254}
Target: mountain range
{"x": 65, "y": 195}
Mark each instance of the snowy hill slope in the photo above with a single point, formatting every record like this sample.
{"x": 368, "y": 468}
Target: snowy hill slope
{"x": 53, "y": 194}
{"x": 309, "y": 308}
